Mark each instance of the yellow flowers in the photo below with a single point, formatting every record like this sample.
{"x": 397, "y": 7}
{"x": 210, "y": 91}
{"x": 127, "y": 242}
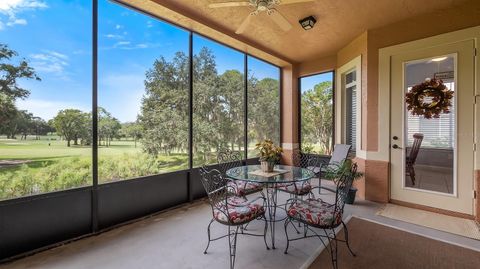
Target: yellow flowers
{"x": 268, "y": 151}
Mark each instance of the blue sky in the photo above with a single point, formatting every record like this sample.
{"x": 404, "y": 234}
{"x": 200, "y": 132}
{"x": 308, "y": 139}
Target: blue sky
{"x": 309, "y": 82}
{"x": 55, "y": 37}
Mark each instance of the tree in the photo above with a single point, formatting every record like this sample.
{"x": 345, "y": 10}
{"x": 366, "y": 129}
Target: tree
{"x": 40, "y": 127}
{"x": 108, "y": 126}
{"x": 231, "y": 112}
{"x": 218, "y": 107}
{"x": 132, "y": 130}
{"x": 7, "y": 111}
{"x": 164, "y": 111}
{"x": 317, "y": 116}
{"x": 10, "y": 73}
{"x": 18, "y": 123}
{"x": 71, "y": 123}
{"x": 263, "y": 110}
{"x": 9, "y": 89}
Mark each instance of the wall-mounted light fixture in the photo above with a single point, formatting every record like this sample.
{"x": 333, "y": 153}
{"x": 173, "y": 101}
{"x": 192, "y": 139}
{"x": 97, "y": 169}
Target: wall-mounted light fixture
{"x": 308, "y": 22}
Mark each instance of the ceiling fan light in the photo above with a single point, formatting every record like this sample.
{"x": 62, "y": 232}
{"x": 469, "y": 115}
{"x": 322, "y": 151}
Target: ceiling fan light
{"x": 308, "y": 22}
{"x": 262, "y": 5}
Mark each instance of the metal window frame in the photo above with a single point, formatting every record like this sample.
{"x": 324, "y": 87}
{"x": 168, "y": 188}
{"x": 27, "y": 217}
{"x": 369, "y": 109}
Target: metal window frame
{"x": 103, "y": 211}
{"x": 95, "y": 177}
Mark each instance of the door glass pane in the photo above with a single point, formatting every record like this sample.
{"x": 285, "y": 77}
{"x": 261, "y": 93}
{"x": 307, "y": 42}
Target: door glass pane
{"x": 432, "y": 166}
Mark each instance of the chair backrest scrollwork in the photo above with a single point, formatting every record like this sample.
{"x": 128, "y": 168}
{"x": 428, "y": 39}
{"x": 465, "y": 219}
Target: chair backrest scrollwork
{"x": 304, "y": 160}
{"x": 228, "y": 159}
{"x": 215, "y": 185}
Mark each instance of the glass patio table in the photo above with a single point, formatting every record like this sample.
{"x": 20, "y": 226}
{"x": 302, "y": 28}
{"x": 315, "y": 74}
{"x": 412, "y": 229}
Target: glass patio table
{"x": 282, "y": 174}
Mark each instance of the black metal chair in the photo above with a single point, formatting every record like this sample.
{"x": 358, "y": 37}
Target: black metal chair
{"x": 230, "y": 210}
{"x": 316, "y": 213}
{"x": 304, "y": 160}
{"x": 228, "y": 159}
{"x": 412, "y": 156}
{"x": 339, "y": 155}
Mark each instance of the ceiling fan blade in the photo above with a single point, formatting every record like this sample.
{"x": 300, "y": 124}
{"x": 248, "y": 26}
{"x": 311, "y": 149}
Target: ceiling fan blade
{"x": 229, "y": 4}
{"x": 286, "y": 2}
{"x": 280, "y": 20}
{"x": 244, "y": 24}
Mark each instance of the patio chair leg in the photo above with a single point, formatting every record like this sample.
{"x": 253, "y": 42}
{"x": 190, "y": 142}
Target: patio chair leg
{"x": 232, "y": 244}
{"x": 208, "y": 232}
{"x": 334, "y": 249}
{"x": 346, "y": 239}
{"x": 265, "y": 232}
{"x": 319, "y": 185}
{"x": 412, "y": 174}
{"x": 287, "y": 221}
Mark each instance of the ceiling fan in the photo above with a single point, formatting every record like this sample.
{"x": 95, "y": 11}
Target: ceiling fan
{"x": 261, "y": 6}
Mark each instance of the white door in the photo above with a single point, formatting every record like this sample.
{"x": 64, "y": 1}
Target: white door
{"x": 442, "y": 175}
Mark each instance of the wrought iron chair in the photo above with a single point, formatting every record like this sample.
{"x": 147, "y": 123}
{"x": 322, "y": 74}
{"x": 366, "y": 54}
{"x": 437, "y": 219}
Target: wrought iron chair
{"x": 230, "y": 210}
{"x": 412, "y": 156}
{"x": 230, "y": 159}
{"x": 339, "y": 155}
{"x": 308, "y": 161}
{"x": 316, "y": 213}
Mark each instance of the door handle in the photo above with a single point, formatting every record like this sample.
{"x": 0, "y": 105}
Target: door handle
{"x": 395, "y": 146}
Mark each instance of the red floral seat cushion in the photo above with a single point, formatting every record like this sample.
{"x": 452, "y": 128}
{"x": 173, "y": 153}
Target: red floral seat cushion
{"x": 244, "y": 188}
{"x": 298, "y": 188}
{"x": 239, "y": 210}
{"x": 315, "y": 212}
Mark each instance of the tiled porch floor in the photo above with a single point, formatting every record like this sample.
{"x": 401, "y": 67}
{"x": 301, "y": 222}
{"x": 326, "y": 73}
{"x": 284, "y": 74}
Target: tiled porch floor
{"x": 177, "y": 238}
{"x": 432, "y": 178}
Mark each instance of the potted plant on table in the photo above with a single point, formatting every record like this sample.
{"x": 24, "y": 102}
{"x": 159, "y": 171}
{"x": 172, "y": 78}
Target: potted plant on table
{"x": 269, "y": 154}
{"x": 333, "y": 172}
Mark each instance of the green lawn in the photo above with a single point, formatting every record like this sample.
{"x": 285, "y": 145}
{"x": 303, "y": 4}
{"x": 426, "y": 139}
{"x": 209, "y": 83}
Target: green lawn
{"x": 50, "y": 165}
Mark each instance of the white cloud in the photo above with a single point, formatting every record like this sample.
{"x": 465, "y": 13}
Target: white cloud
{"x": 127, "y": 45}
{"x": 50, "y": 62}
{"x": 12, "y": 5}
{"x": 17, "y": 21}
{"x": 114, "y": 36}
{"x": 48, "y": 109}
{"x": 121, "y": 43}
{"x": 118, "y": 26}
{"x": 9, "y": 10}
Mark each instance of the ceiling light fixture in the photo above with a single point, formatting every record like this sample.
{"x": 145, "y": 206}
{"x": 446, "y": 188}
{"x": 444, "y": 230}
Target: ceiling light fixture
{"x": 308, "y": 22}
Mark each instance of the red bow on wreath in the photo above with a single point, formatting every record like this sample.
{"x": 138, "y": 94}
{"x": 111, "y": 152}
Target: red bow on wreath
{"x": 440, "y": 99}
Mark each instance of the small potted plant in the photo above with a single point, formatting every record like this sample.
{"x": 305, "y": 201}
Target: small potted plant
{"x": 269, "y": 154}
{"x": 345, "y": 167}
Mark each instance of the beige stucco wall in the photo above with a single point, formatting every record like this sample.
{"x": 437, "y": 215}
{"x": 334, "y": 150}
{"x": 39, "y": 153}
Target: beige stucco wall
{"x": 317, "y": 66}
{"x": 448, "y": 20}
{"x": 368, "y": 44}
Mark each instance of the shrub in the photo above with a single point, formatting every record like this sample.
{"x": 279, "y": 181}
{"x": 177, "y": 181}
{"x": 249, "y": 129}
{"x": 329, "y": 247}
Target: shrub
{"x": 67, "y": 173}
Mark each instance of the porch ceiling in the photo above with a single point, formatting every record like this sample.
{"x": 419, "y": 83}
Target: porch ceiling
{"x": 338, "y": 22}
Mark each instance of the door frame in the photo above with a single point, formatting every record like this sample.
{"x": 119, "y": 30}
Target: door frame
{"x": 384, "y": 113}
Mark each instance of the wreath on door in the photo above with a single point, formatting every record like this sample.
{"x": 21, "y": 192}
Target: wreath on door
{"x": 429, "y": 99}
